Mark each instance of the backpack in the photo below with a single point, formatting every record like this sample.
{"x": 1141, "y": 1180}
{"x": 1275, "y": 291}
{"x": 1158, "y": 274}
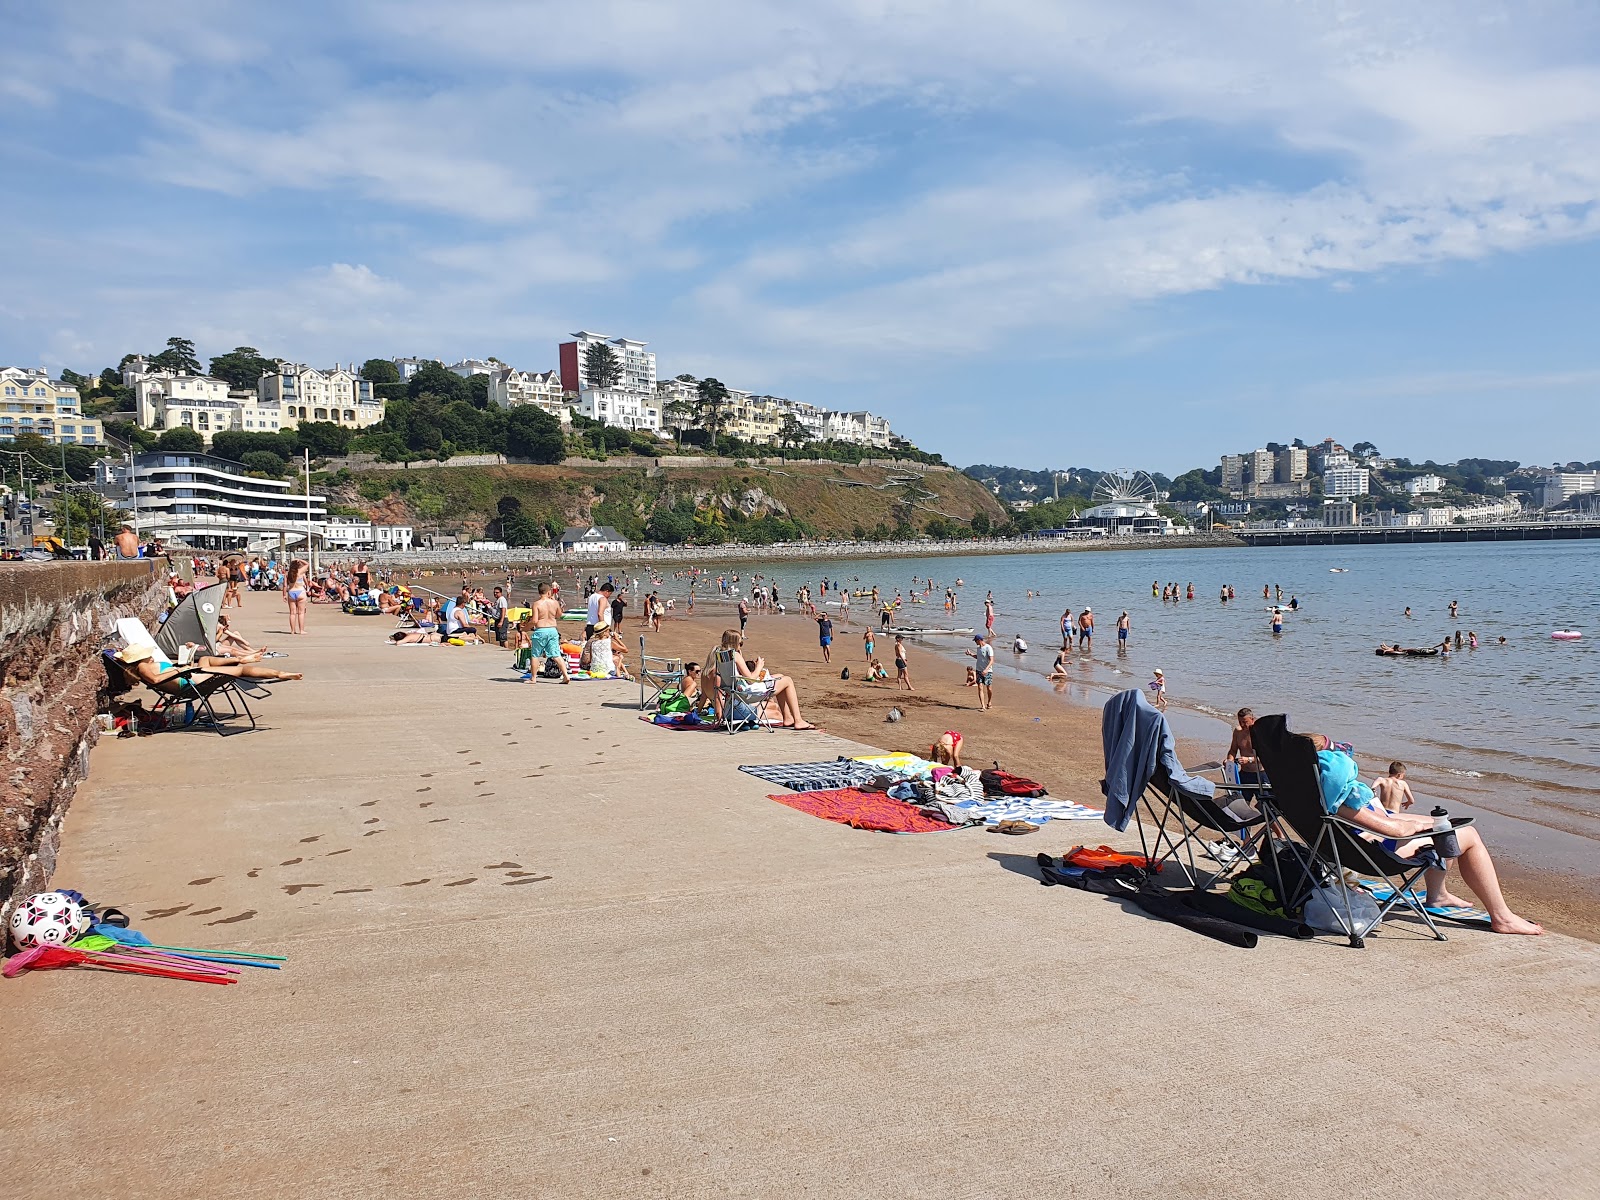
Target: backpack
{"x": 1004, "y": 783}
{"x": 1257, "y": 887}
{"x": 550, "y": 670}
{"x": 845, "y": 674}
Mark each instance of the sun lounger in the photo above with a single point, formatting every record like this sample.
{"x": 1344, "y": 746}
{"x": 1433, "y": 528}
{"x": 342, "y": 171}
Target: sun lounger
{"x": 192, "y": 688}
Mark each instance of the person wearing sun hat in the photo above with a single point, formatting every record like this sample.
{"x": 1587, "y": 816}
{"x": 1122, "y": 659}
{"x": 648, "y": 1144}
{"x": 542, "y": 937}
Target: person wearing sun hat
{"x": 1158, "y": 690}
{"x": 153, "y": 670}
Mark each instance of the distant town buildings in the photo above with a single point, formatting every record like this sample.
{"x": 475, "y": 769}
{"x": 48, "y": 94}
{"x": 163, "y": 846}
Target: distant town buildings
{"x": 636, "y": 365}
{"x": 32, "y": 402}
{"x": 1556, "y": 487}
{"x": 1267, "y": 474}
{"x": 1345, "y": 481}
{"x": 591, "y": 539}
{"x": 621, "y": 407}
{"x": 509, "y": 388}
{"x": 1424, "y": 485}
{"x": 468, "y": 367}
{"x": 302, "y": 393}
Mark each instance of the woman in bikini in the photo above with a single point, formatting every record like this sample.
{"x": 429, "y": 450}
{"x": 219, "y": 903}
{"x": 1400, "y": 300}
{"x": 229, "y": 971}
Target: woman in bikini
{"x": 294, "y": 593}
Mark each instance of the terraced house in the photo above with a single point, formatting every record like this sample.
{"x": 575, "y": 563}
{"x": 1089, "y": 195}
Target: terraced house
{"x": 307, "y": 394}
{"x": 32, "y": 402}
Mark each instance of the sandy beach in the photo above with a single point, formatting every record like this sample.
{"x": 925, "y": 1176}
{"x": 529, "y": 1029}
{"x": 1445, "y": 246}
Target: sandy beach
{"x": 537, "y": 947}
{"x": 1051, "y": 733}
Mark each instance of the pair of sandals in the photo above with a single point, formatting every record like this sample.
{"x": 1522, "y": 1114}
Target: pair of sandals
{"x": 1015, "y": 828}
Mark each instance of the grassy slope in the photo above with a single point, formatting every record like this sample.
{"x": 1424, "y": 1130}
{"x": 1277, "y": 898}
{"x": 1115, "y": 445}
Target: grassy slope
{"x": 820, "y": 495}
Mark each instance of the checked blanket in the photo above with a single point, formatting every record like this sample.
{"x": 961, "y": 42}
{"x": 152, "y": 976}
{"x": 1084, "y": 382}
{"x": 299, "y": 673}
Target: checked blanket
{"x": 815, "y": 776}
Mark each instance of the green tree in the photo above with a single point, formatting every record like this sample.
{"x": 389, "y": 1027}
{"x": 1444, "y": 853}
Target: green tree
{"x": 711, "y": 404}
{"x": 791, "y": 432}
{"x": 533, "y": 434}
{"x": 601, "y": 366}
{"x": 980, "y": 524}
{"x": 178, "y": 357}
{"x": 522, "y": 530}
{"x": 241, "y": 367}
{"x": 265, "y": 462}
{"x": 433, "y": 378}
{"x": 181, "y": 439}
{"x": 324, "y": 439}
{"x": 677, "y": 415}
{"x": 380, "y": 370}
{"x": 670, "y": 527}
{"x": 478, "y": 390}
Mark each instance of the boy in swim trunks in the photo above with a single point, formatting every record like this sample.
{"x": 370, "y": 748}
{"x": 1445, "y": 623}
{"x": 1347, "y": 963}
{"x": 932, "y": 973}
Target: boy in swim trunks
{"x": 1392, "y": 790}
{"x": 544, "y": 642}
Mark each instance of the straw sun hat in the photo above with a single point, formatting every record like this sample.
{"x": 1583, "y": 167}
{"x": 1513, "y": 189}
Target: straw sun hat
{"x": 133, "y": 654}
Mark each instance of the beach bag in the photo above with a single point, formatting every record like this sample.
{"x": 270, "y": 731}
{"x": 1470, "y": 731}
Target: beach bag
{"x": 1004, "y": 783}
{"x": 674, "y": 702}
{"x": 550, "y": 670}
{"x": 845, "y": 674}
{"x": 1325, "y": 911}
{"x": 1256, "y": 888}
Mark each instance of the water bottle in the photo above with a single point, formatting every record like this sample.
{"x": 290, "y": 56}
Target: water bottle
{"x": 1445, "y": 840}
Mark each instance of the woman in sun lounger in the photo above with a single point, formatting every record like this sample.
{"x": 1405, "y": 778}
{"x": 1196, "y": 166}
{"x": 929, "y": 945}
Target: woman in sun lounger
{"x": 1403, "y": 834}
{"x": 156, "y": 672}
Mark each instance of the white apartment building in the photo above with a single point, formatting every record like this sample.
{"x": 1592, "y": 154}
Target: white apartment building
{"x": 409, "y": 367}
{"x": 32, "y": 402}
{"x": 1424, "y": 485}
{"x": 305, "y": 394}
{"x": 1557, "y": 487}
{"x": 625, "y": 409}
{"x": 638, "y": 366}
{"x": 343, "y": 534}
{"x": 468, "y": 367}
{"x": 812, "y": 419}
{"x": 1345, "y": 481}
{"x": 509, "y": 388}
{"x": 211, "y": 502}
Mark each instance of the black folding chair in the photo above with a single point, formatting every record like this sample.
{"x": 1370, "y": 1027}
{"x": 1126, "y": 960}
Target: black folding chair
{"x": 190, "y": 686}
{"x": 1179, "y": 817}
{"x": 1328, "y": 844}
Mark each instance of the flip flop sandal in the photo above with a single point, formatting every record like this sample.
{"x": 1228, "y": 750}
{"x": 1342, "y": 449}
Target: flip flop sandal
{"x": 1016, "y": 827}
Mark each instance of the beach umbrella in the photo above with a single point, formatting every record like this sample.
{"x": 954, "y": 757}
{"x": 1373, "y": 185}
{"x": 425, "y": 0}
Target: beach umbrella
{"x": 194, "y": 620}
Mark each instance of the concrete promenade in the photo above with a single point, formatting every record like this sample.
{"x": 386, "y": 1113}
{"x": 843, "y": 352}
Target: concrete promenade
{"x": 539, "y": 949}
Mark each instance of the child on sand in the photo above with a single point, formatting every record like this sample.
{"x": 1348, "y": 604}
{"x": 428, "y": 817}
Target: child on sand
{"x": 902, "y": 677}
{"x": 1158, "y": 691}
{"x": 1392, "y": 790}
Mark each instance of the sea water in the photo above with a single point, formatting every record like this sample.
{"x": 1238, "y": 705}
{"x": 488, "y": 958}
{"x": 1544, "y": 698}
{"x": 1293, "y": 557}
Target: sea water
{"x": 1513, "y": 726}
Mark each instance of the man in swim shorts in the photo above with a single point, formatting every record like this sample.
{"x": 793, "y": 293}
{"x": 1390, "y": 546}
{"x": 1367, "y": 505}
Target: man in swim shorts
{"x": 544, "y": 641}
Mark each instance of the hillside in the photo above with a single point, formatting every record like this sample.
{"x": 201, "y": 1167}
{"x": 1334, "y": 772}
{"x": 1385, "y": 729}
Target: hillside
{"x": 665, "y": 502}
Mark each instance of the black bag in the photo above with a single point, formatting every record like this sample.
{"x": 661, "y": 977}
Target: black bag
{"x": 845, "y": 674}
{"x": 1259, "y": 883}
{"x": 550, "y": 670}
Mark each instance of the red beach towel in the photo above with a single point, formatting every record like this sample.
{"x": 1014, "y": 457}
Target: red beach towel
{"x": 864, "y": 810}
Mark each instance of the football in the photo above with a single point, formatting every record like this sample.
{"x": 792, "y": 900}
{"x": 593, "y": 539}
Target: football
{"x": 47, "y": 919}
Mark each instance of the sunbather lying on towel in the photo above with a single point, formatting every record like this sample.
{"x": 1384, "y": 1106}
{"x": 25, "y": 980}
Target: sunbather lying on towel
{"x": 153, "y": 670}
{"x": 755, "y": 674}
{"x": 1343, "y": 793}
{"x": 232, "y": 643}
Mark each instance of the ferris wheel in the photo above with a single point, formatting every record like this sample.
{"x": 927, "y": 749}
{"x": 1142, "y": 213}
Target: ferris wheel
{"x": 1126, "y": 486}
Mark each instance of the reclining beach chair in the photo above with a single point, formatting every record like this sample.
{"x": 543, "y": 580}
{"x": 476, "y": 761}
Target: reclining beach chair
{"x": 192, "y": 688}
{"x": 657, "y": 675}
{"x": 1328, "y": 844}
{"x": 743, "y": 703}
{"x": 1142, "y": 768}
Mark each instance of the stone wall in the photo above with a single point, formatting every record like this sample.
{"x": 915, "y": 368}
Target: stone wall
{"x": 54, "y": 619}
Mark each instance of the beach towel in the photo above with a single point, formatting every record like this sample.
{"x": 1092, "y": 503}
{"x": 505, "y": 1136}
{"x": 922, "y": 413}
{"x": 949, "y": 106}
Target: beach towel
{"x": 863, "y": 810}
{"x": 681, "y": 722}
{"x": 905, "y": 764}
{"x": 1034, "y": 810}
{"x": 814, "y": 776}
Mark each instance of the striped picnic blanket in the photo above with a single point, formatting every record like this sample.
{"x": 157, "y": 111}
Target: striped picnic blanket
{"x": 1034, "y": 810}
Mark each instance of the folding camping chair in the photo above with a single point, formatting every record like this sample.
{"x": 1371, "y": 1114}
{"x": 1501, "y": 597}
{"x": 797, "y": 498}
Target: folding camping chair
{"x": 743, "y": 702}
{"x": 1329, "y": 845}
{"x": 1180, "y": 815}
{"x": 192, "y": 687}
{"x": 656, "y": 676}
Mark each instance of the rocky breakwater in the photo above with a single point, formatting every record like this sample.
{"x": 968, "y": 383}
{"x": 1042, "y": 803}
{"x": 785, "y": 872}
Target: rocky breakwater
{"x": 54, "y": 620}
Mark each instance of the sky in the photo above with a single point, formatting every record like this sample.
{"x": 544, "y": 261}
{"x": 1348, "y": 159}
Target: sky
{"x": 1040, "y": 233}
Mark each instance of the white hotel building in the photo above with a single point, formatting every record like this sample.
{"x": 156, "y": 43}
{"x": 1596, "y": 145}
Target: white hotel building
{"x": 509, "y": 388}
{"x": 210, "y": 502}
{"x": 303, "y": 393}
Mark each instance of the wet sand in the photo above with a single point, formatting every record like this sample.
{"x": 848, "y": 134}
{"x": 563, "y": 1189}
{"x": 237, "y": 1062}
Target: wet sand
{"x": 1052, "y": 736}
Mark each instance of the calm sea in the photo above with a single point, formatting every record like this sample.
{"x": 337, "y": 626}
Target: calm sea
{"x": 1514, "y": 728}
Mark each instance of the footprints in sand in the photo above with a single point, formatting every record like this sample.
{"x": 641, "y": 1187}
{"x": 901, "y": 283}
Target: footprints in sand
{"x": 425, "y": 789}
{"x": 502, "y": 866}
{"x": 526, "y": 879}
{"x": 204, "y": 881}
{"x": 289, "y": 862}
{"x": 370, "y": 821}
{"x": 463, "y": 882}
{"x": 294, "y": 889}
{"x": 315, "y": 837}
{"x": 234, "y": 920}
{"x": 331, "y": 853}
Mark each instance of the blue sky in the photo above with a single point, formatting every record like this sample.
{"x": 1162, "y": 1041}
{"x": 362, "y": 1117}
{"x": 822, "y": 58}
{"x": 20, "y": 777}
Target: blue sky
{"x": 1035, "y": 232}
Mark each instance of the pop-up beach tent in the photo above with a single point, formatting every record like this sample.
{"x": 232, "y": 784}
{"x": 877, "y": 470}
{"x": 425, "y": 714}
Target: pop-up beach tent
{"x": 194, "y": 620}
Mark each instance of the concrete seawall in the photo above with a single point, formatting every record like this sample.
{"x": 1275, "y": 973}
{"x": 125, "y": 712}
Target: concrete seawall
{"x": 54, "y": 618}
